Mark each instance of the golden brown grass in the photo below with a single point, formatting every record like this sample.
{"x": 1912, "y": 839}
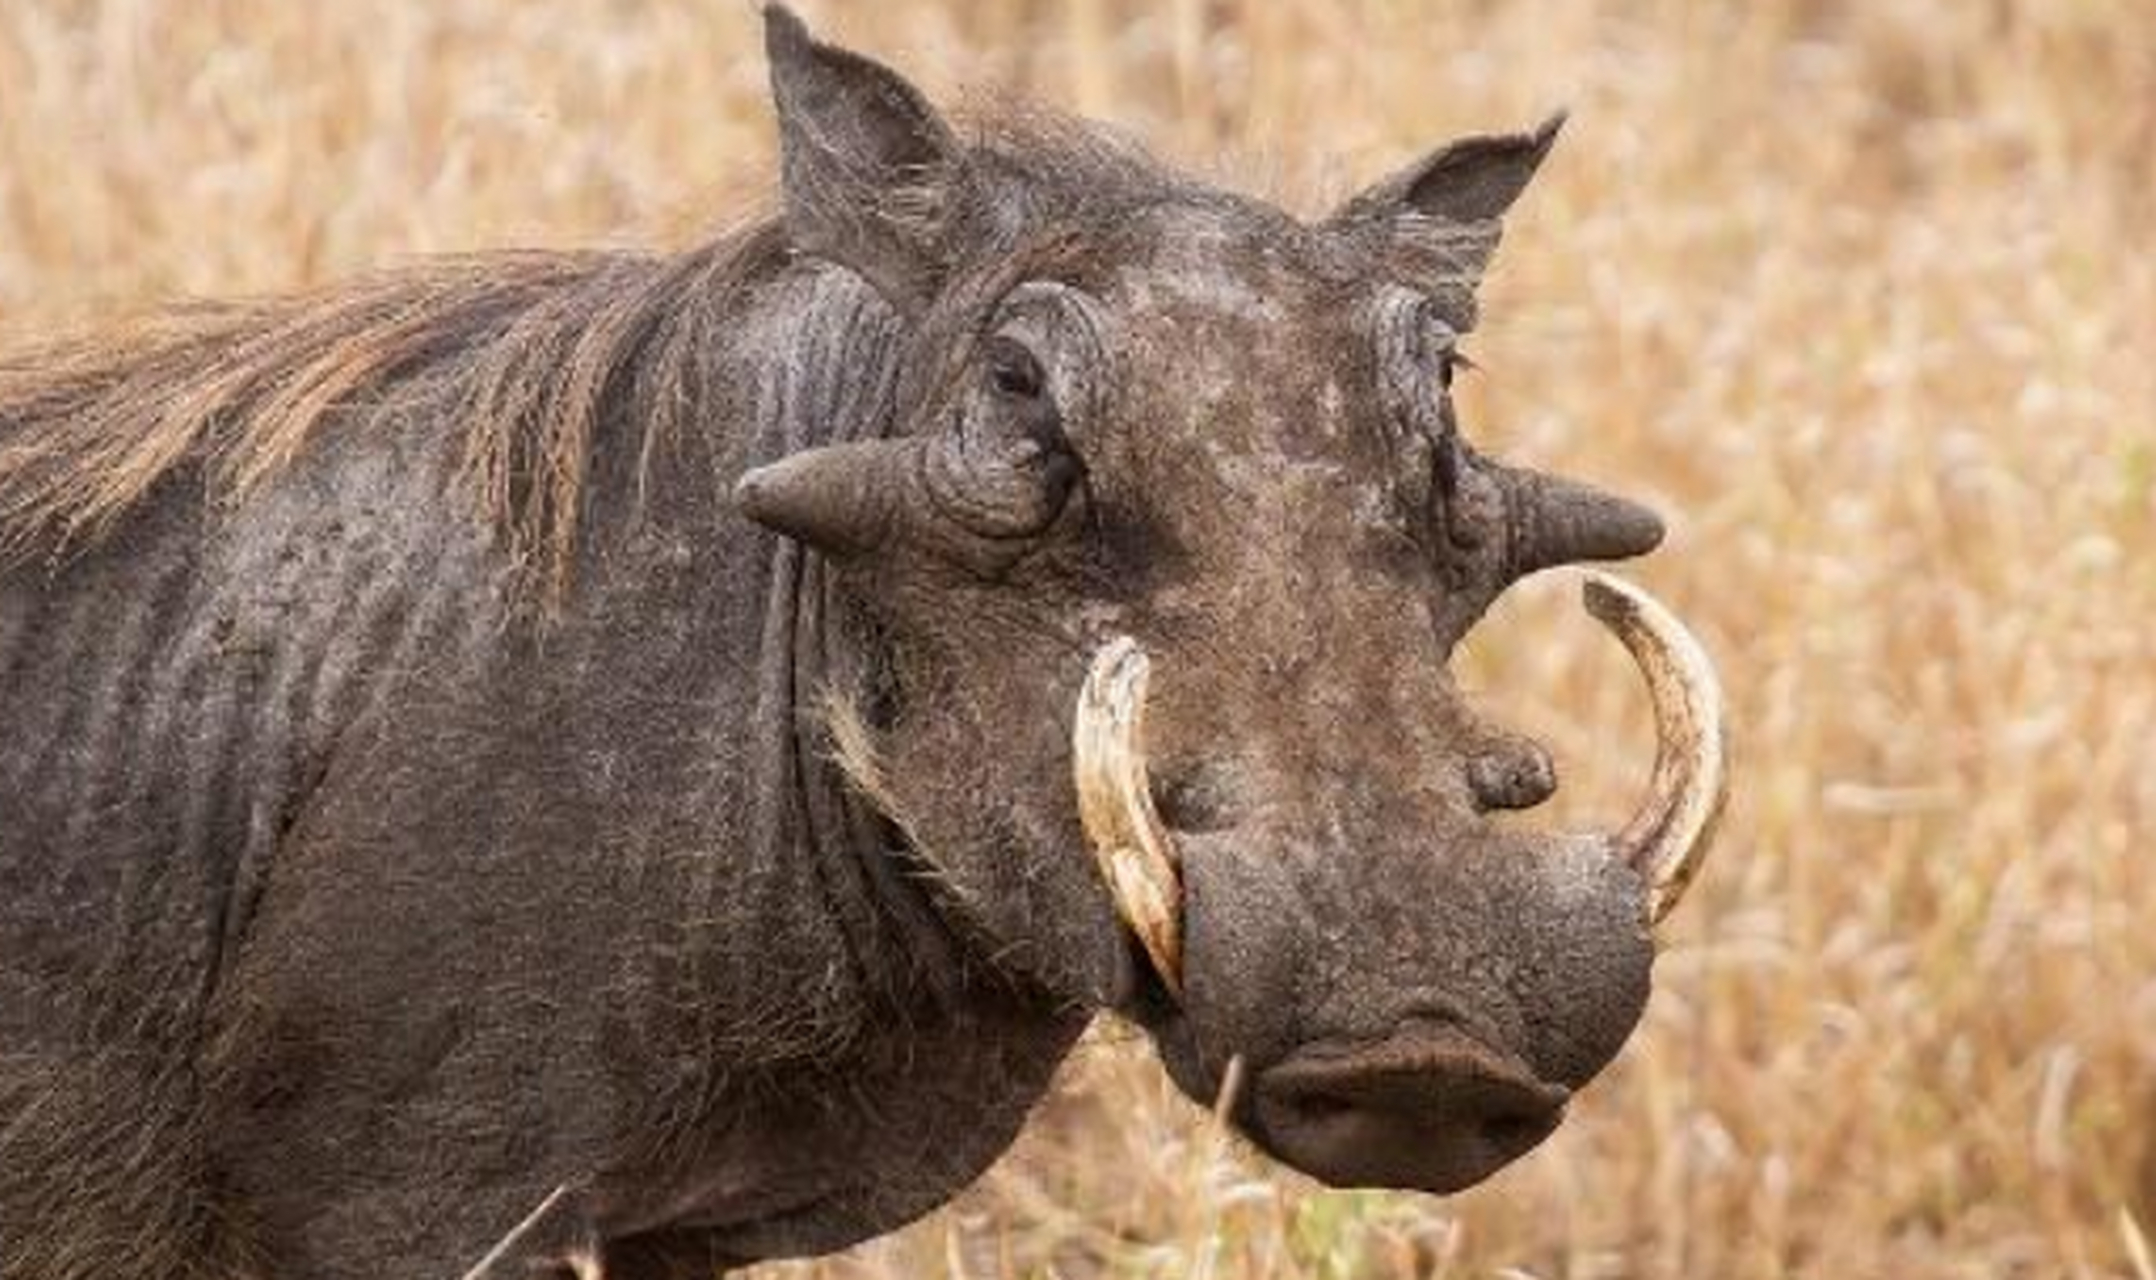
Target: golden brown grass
{"x": 1862, "y": 293}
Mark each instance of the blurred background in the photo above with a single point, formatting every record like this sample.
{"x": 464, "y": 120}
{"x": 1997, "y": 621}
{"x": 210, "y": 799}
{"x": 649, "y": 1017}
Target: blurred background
{"x": 1862, "y": 295}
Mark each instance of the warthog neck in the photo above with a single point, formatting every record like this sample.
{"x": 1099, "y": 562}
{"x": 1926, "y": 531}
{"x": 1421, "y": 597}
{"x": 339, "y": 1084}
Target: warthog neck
{"x": 928, "y": 1057}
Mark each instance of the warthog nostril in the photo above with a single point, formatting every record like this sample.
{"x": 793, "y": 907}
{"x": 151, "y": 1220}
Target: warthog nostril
{"x": 1316, "y": 1108}
{"x": 1518, "y": 776}
{"x": 1513, "y": 1132}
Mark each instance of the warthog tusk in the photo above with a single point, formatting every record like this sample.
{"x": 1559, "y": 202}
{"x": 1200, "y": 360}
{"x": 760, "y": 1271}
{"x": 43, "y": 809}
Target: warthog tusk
{"x": 1668, "y": 840}
{"x": 1115, "y": 805}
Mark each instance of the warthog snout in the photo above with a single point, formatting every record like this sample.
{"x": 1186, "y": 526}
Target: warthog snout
{"x": 1366, "y": 1065}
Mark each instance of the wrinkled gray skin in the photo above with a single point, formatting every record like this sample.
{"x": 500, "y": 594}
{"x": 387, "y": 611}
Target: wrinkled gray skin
{"x": 347, "y": 910}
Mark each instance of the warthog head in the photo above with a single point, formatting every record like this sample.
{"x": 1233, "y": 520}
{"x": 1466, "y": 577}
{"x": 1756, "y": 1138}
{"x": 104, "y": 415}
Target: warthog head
{"x": 1168, "y": 541}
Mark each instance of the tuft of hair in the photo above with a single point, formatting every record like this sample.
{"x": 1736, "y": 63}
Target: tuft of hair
{"x": 530, "y": 353}
{"x": 103, "y": 1171}
{"x": 854, "y": 750}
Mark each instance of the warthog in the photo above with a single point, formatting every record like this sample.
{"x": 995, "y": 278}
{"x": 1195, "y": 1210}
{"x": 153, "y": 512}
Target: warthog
{"x": 629, "y": 765}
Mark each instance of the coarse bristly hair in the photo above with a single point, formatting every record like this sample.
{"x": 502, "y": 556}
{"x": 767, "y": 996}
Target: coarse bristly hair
{"x": 530, "y": 350}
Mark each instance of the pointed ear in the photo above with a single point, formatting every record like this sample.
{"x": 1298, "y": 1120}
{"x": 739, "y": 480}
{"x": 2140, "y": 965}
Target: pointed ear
{"x": 874, "y": 179}
{"x": 1440, "y": 216}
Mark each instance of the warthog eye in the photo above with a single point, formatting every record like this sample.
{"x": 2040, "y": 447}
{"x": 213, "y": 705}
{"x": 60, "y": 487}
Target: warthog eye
{"x": 1013, "y": 371}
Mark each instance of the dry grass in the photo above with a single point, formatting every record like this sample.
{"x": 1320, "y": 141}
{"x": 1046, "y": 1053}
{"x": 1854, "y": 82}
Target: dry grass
{"x": 1862, "y": 292}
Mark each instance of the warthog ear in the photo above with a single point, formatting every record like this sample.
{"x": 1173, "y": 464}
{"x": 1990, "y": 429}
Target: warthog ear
{"x": 1438, "y": 219}
{"x": 873, "y": 177}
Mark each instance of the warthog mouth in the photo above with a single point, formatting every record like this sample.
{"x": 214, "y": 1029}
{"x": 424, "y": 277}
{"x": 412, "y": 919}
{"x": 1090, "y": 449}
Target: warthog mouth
{"x": 1666, "y": 842}
{"x": 1428, "y": 1108}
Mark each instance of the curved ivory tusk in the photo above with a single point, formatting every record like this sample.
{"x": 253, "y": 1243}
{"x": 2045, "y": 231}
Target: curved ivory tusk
{"x": 1115, "y": 804}
{"x": 1668, "y": 840}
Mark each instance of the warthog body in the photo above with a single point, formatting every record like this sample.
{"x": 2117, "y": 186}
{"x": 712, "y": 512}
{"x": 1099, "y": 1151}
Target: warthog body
{"x": 424, "y": 796}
